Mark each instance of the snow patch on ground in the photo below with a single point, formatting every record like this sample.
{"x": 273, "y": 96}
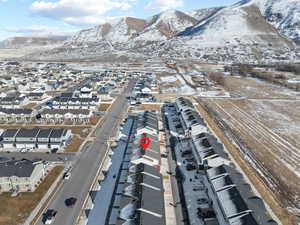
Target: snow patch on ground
{"x": 214, "y": 94}
{"x": 294, "y": 80}
{"x": 169, "y": 79}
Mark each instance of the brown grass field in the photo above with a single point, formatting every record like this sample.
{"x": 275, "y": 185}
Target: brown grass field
{"x": 265, "y": 122}
{"x": 15, "y": 210}
{"x": 74, "y": 145}
{"x": 269, "y": 195}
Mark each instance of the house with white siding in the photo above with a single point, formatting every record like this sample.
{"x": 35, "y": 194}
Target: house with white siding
{"x": 62, "y": 115}
{"x": 20, "y": 175}
{"x": 35, "y": 138}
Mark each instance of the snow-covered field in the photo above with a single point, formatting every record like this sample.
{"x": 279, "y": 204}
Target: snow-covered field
{"x": 294, "y": 80}
{"x": 12, "y": 53}
{"x": 282, "y": 116}
{"x": 270, "y": 130}
{"x": 169, "y": 79}
{"x": 255, "y": 88}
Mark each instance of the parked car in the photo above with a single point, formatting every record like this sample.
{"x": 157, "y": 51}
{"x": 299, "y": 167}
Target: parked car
{"x": 190, "y": 167}
{"x": 54, "y": 150}
{"x": 70, "y": 202}
{"x": 50, "y": 216}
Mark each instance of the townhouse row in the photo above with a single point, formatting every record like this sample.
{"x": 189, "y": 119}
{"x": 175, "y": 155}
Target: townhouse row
{"x": 35, "y": 138}
{"x": 75, "y": 103}
{"x": 138, "y": 193}
{"x": 213, "y": 190}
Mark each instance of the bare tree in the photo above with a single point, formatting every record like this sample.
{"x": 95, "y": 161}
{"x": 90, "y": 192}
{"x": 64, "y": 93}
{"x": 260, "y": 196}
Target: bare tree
{"x": 217, "y": 77}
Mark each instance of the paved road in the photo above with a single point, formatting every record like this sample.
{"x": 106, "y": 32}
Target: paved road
{"x": 60, "y": 157}
{"x": 86, "y": 166}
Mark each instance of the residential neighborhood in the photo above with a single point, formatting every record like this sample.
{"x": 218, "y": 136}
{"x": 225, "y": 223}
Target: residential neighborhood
{"x": 150, "y": 112}
{"x": 151, "y": 156}
{"x": 136, "y": 139}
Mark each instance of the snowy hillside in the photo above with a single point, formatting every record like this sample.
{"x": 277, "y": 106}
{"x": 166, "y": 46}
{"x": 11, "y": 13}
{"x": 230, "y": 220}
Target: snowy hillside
{"x": 202, "y": 14}
{"x": 159, "y": 27}
{"x": 282, "y": 14}
{"x": 165, "y": 25}
{"x": 249, "y": 31}
{"x": 241, "y": 23}
{"x": 120, "y": 30}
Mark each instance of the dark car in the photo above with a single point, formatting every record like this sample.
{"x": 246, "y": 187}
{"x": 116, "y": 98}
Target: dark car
{"x": 190, "y": 167}
{"x": 54, "y": 150}
{"x": 70, "y": 202}
{"x": 50, "y": 216}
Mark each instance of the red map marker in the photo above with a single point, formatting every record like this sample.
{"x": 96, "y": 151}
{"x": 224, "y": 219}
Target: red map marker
{"x": 145, "y": 142}
{"x": 157, "y": 167}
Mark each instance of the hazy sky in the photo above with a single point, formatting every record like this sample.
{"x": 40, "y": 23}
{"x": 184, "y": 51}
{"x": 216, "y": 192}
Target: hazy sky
{"x": 22, "y": 17}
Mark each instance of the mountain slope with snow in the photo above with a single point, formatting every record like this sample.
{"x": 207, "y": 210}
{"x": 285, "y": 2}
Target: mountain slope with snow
{"x": 248, "y": 31}
{"x": 202, "y": 14}
{"x": 166, "y": 25}
{"x": 159, "y": 27}
{"x": 282, "y": 14}
{"x": 240, "y": 23}
{"x": 120, "y": 30}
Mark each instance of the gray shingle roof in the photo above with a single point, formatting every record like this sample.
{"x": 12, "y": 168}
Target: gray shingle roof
{"x": 10, "y": 133}
{"x": 57, "y": 133}
{"x": 30, "y": 133}
{"x": 45, "y": 133}
{"x": 19, "y": 168}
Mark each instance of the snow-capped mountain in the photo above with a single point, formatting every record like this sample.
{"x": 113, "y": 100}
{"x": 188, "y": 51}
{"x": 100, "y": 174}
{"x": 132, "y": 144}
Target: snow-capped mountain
{"x": 248, "y": 21}
{"x": 240, "y": 23}
{"x": 202, "y": 14}
{"x": 166, "y": 25}
{"x": 248, "y": 31}
{"x": 121, "y": 30}
{"x": 282, "y": 14}
{"x": 159, "y": 27}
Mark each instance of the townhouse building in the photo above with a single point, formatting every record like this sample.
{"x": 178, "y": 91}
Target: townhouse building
{"x": 35, "y": 138}
{"x": 20, "y": 175}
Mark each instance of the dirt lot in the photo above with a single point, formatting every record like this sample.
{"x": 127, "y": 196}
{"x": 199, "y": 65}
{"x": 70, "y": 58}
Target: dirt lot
{"x": 14, "y": 210}
{"x": 147, "y": 107}
{"x": 29, "y": 106}
{"x": 94, "y": 120}
{"x": 104, "y": 107}
{"x": 74, "y": 145}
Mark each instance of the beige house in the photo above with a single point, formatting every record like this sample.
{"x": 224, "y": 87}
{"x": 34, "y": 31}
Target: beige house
{"x": 21, "y": 175}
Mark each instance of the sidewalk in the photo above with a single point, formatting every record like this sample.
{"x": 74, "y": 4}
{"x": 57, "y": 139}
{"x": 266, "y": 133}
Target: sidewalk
{"x": 54, "y": 187}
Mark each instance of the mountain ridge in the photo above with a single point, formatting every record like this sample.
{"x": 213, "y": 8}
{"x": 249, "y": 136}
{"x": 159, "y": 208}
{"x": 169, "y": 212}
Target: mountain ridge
{"x": 250, "y": 30}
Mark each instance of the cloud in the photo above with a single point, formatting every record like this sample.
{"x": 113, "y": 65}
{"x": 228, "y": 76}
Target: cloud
{"x": 163, "y": 5}
{"x": 89, "y": 20}
{"x": 78, "y": 12}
